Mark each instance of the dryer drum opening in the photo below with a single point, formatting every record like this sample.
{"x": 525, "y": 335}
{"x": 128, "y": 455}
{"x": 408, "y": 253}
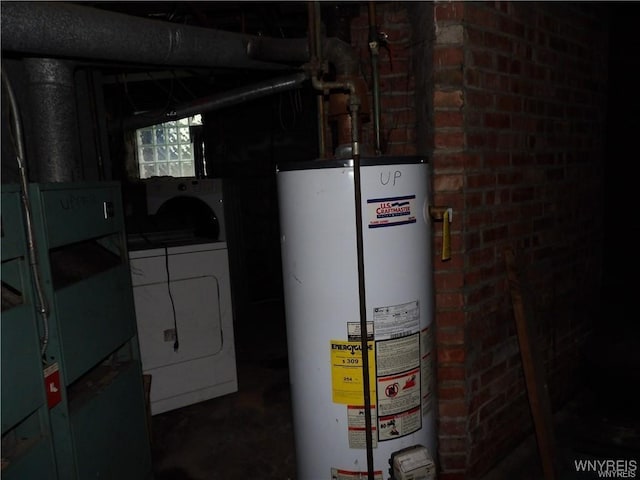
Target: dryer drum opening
{"x": 190, "y": 214}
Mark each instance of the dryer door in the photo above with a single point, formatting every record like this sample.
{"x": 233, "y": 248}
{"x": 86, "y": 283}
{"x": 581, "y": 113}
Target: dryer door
{"x": 194, "y": 332}
{"x": 188, "y": 214}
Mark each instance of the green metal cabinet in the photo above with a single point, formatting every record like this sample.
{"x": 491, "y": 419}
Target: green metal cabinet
{"x": 27, "y": 448}
{"x": 98, "y": 418}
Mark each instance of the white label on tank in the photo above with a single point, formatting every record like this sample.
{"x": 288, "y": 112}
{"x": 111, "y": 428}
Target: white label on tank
{"x": 399, "y": 385}
{"x": 396, "y": 320}
{"x": 353, "y": 331}
{"x": 356, "y": 426}
{"x": 397, "y": 355}
{"x": 391, "y": 211}
{"x": 399, "y": 424}
{"x": 426, "y": 362}
{"x": 341, "y": 474}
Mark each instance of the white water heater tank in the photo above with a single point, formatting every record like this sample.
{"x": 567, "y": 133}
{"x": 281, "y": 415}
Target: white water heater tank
{"x": 320, "y": 274}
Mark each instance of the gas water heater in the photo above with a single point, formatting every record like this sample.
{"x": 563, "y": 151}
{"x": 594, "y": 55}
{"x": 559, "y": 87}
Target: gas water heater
{"x": 324, "y": 323}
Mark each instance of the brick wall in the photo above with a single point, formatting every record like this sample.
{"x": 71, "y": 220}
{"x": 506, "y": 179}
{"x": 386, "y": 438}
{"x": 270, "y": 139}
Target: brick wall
{"x": 508, "y": 99}
{"x": 535, "y": 92}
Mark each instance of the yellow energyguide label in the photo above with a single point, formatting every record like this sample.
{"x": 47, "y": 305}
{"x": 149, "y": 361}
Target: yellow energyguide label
{"x": 347, "y": 377}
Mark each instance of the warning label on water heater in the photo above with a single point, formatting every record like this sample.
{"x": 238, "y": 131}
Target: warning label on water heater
{"x": 391, "y": 212}
{"x": 340, "y": 474}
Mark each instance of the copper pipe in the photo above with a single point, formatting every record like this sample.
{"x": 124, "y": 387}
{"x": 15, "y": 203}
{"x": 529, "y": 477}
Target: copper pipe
{"x": 374, "y": 49}
{"x": 314, "y": 50}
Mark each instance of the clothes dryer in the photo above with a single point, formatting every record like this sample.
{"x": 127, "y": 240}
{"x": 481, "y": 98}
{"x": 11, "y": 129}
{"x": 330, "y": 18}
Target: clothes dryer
{"x": 165, "y": 195}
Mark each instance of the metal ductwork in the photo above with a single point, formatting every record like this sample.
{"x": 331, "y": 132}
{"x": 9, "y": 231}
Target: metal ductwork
{"x": 63, "y": 31}
{"x": 54, "y": 29}
{"x": 215, "y": 102}
{"x": 52, "y": 95}
{"x": 56, "y": 33}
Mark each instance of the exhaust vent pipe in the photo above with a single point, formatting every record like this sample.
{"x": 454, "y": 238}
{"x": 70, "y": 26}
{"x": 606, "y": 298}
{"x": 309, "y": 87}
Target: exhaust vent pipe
{"x": 56, "y": 29}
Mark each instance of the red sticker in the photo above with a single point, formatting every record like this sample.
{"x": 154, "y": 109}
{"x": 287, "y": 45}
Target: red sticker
{"x": 52, "y": 384}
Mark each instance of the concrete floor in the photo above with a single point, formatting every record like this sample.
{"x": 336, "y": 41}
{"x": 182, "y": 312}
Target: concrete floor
{"x": 585, "y": 429}
{"x": 244, "y": 435}
{"x": 248, "y": 434}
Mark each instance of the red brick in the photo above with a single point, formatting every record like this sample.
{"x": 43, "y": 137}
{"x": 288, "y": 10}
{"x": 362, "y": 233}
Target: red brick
{"x": 480, "y": 15}
{"x": 448, "y": 11}
{"x": 449, "y": 281}
{"x": 494, "y": 160}
{"x": 456, "y": 262}
{"x": 479, "y": 399}
{"x": 511, "y": 27}
{"x": 448, "y": 118}
{"x": 484, "y": 256}
{"x": 450, "y": 373}
{"x": 493, "y": 373}
{"x": 482, "y": 140}
{"x": 450, "y": 355}
{"x": 449, "y": 140}
{"x": 452, "y": 409}
{"x": 482, "y": 58}
{"x": 481, "y": 180}
{"x": 449, "y": 199}
{"x": 452, "y": 427}
{"x": 452, "y": 444}
{"x": 495, "y": 234}
{"x": 479, "y": 99}
{"x": 448, "y": 99}
{"x": 497, "y": 42}
{"x": 447, "y": 56}
{"x": 453, "y": 318}
{"x": 443, "y": 161}
{"x": 491, "y": 407}
{"x": 445, "y": 300}
{"x": 450, "y": 336}
{"x": 448, "y": 77}
{"x": 497, "y": 120}
{"x": 510, "y": 103}
{"x": 448, "y": 183}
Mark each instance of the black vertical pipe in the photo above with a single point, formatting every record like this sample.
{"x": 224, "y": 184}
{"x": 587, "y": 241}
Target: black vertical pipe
{"x": 362, "y": 292}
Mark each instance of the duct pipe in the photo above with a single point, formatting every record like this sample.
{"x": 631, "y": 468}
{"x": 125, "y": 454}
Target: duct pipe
{"x": 214, "y": 102}
{"x": 53, "y": 112}
{"x": 279, "y": 50}
{"x": 56, "y": 29}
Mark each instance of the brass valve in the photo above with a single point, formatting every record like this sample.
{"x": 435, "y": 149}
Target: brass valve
{"x": 445, "y": 215}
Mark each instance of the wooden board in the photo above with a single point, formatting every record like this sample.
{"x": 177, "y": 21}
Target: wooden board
{"x": 537, "y": 388}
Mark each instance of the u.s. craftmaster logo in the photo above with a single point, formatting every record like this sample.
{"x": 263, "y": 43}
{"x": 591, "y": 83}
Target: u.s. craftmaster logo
{"x": 389, "y": 212}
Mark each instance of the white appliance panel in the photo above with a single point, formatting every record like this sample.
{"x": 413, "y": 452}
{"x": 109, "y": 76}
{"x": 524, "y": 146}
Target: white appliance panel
{"x": 198, "y": 323}
{"x": 204, "y": 364}
{"x": 209, "y": 190}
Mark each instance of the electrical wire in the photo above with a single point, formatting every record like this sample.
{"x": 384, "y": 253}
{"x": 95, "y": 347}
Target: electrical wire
{"x": 176, "y": 343}
{"x": 17, "y": 140}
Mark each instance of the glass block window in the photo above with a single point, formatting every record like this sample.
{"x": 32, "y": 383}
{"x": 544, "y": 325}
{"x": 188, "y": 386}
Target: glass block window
{"x": 167, "y": 149}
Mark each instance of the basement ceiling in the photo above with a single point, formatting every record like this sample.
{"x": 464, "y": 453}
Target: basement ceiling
{"x": 281, "y": 20}
{"x": 272, "y": 19}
